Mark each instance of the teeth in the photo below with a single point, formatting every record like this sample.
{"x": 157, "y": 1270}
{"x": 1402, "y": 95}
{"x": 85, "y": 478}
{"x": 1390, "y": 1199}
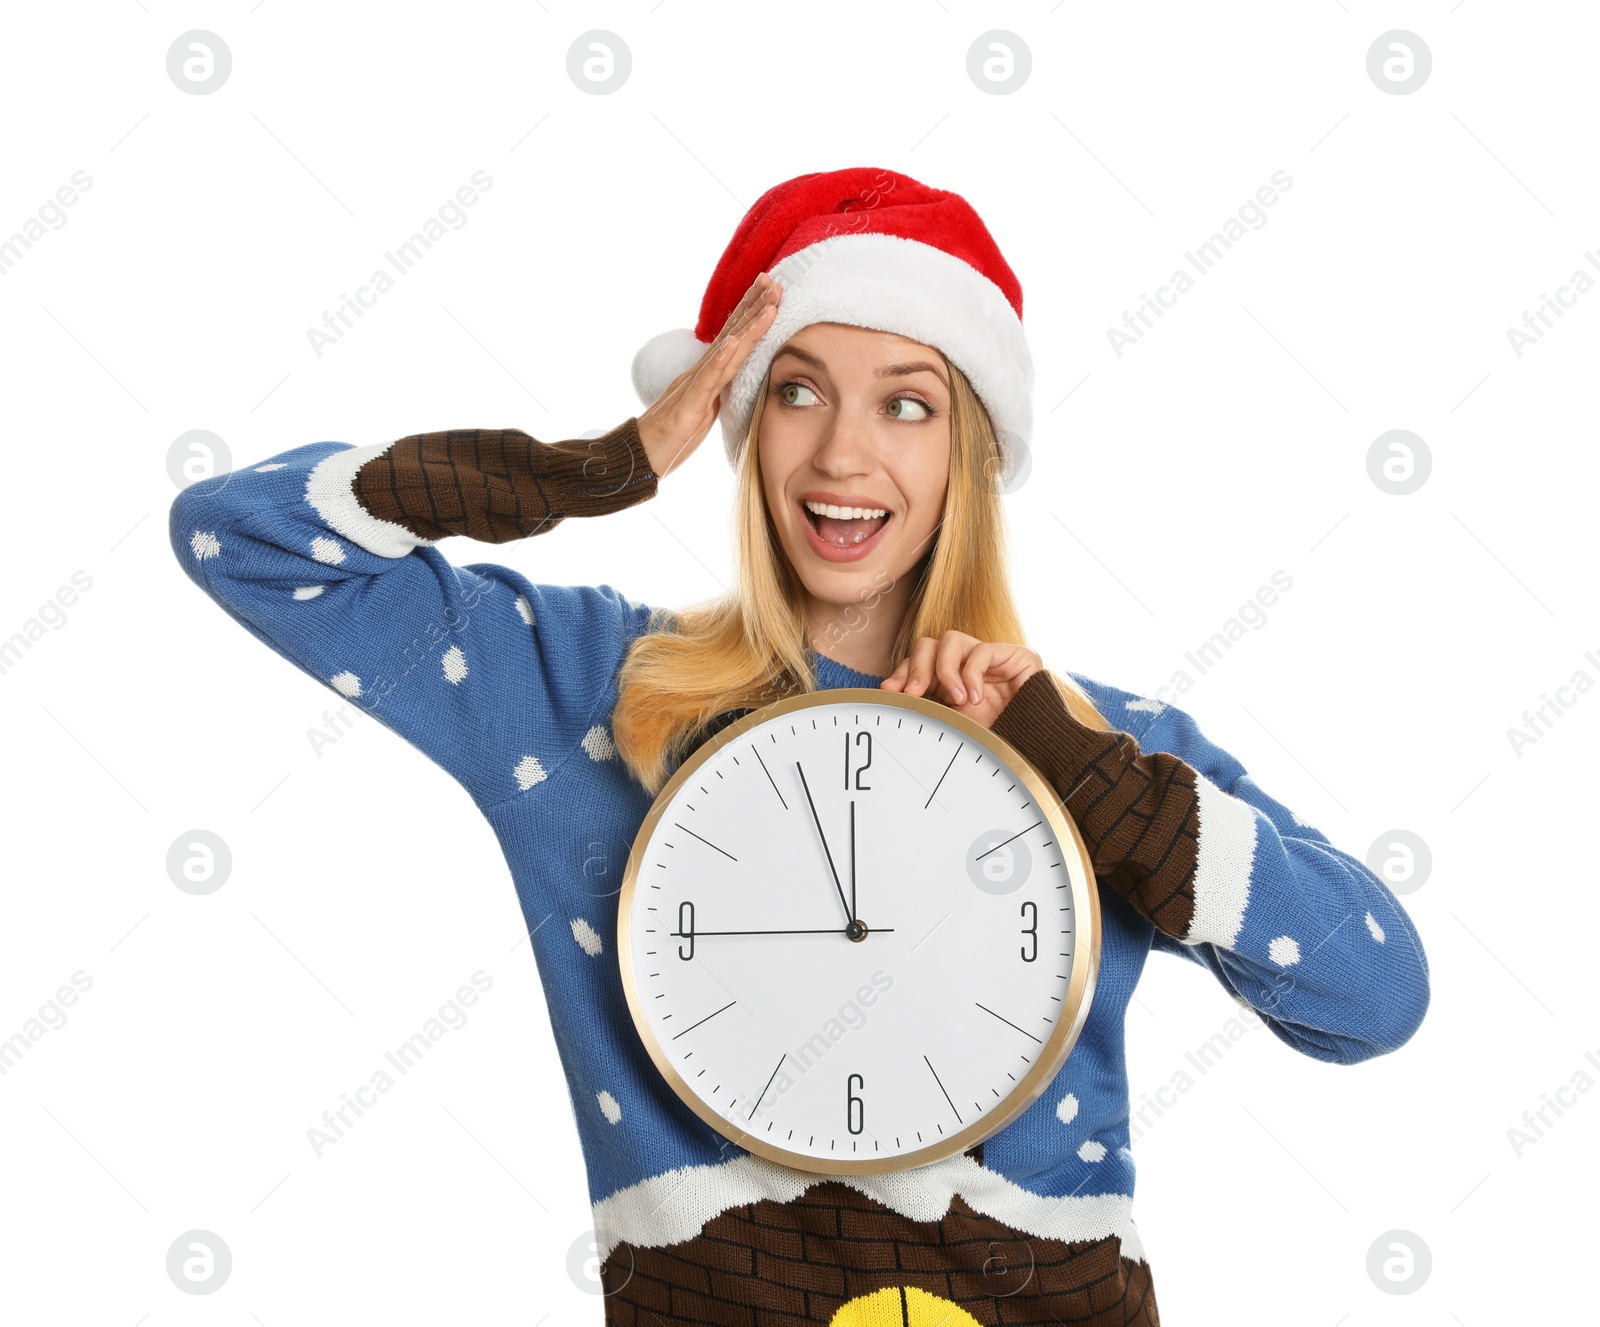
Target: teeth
{"x": 843, "y": 513}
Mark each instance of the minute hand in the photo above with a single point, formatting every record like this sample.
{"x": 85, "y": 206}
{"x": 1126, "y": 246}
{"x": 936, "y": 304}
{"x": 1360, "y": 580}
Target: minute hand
{"x": 817, "y": 930}
{"x": 815, "y": 820}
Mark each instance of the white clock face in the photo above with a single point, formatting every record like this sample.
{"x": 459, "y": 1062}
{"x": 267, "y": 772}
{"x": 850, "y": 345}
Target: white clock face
{"x": 851, "y": 933}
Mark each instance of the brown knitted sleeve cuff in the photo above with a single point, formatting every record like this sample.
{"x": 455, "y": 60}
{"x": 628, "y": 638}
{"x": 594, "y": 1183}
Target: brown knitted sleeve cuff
{"x": 1138, "y": 813}
{"x": 502, "y": 484}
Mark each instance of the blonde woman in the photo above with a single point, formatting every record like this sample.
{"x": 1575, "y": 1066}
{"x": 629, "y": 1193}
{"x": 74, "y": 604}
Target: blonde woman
{"x": 861, "y": 344}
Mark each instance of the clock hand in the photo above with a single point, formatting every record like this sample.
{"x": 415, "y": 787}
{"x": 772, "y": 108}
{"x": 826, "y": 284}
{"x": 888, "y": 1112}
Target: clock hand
{"x": 849, "y": 916}
{"x": 819, "y": 930}
{"x": 852, "y": 857}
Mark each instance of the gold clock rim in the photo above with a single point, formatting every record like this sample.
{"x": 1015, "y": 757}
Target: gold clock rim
{"x": 1080, "y": 987}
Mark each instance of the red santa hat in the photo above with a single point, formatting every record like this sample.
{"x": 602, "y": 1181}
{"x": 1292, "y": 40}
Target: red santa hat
{"x": 870, "y": 248}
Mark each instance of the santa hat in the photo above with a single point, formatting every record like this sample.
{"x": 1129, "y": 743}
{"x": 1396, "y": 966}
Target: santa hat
{"x": 870, "y": 248}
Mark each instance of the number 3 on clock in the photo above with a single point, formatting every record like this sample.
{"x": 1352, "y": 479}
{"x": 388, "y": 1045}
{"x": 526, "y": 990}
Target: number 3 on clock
{"x": 1030, "y": 909}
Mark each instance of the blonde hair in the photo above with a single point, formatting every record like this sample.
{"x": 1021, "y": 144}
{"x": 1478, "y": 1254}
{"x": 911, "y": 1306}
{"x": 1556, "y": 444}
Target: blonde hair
{"x": 747, "y": 648}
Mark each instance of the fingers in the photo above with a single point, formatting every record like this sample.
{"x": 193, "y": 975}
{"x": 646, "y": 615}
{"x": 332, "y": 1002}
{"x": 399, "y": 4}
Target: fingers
{"x": 754, "y": 327}
{"x": 685, "y": 412}
{"x": 716, "y": 366}
{"x": 746, "y": 325}
{"x": 758, "y": 288}
{"x": 953, "y": 649}
{"x": 977, "y": 666}
{"x": 934, "y": 666}
{"x": 1022, "y": 664}
{"x": 750, "y": 325}
{"x": 761, "y": 297}
{"x": 954, "y": 667}
{"x": 919, "y": 666}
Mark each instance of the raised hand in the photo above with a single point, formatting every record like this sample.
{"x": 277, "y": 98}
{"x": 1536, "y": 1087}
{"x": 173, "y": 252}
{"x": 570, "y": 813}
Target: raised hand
{"x": 679, "y": 419}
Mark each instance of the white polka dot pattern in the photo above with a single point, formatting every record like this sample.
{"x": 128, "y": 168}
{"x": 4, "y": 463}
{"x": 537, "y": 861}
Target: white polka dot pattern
{"x": 327, "y": 550}
{"x": 597, "y": 742}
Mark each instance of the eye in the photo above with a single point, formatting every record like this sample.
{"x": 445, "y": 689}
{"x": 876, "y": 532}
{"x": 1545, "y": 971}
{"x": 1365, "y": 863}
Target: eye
{"x": 914, "y": 403}
{"x": 786, "y": 393}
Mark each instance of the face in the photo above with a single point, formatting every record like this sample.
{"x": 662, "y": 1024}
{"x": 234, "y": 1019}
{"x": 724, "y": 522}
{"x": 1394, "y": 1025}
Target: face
{"x": 855, "y": 419}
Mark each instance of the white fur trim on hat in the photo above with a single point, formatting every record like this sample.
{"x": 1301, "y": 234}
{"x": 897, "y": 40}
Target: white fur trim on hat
{"x": 662, "y": 358}
{"x": 892, "y": 284}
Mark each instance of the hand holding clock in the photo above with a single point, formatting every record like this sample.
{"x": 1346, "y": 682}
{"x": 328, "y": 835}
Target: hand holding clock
{"x": 975, "y": 678}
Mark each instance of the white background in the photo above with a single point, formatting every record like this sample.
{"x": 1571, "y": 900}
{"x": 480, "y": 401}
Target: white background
{"x": 1167, "y": 486}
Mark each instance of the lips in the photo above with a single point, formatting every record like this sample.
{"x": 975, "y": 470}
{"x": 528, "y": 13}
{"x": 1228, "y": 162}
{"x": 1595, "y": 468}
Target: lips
{"x": 843, "y": 540}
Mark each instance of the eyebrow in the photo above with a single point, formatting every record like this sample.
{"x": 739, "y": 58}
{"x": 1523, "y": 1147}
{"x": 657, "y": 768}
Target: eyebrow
{"x": 901, "y": 370}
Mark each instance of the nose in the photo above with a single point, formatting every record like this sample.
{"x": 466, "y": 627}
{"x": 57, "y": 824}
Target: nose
{"x": 845, "y": 447}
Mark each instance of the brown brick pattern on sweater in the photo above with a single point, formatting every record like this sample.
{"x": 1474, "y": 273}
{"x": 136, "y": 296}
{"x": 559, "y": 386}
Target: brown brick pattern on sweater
{"x": 772, "y": 1264}
{"x": 1138, "y": 813}
{"x": 502, "y": 484}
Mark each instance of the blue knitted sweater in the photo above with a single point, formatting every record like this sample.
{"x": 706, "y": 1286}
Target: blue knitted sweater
{"x": 325, "y": 553}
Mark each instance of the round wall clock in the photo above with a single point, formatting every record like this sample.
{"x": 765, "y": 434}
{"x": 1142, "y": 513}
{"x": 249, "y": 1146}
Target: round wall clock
{"x": 858, "y": 931}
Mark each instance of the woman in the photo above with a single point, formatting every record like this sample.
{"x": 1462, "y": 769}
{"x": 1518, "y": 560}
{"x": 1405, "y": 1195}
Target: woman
{"x": 873, "y": 389}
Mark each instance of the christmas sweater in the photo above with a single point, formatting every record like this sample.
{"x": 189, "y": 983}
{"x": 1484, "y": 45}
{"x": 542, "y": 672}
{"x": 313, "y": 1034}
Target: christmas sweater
{"x": 327, "y": 554}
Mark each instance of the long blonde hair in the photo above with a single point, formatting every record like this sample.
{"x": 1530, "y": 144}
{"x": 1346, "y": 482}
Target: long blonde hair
{"x": 747, "y": 648}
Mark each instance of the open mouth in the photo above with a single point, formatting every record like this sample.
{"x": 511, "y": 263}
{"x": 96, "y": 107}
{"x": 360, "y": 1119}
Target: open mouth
{"x": 843, "y": 537}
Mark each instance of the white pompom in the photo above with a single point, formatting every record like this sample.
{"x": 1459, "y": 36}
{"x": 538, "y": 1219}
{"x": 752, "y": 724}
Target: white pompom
{"x": 662, "y": 358}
